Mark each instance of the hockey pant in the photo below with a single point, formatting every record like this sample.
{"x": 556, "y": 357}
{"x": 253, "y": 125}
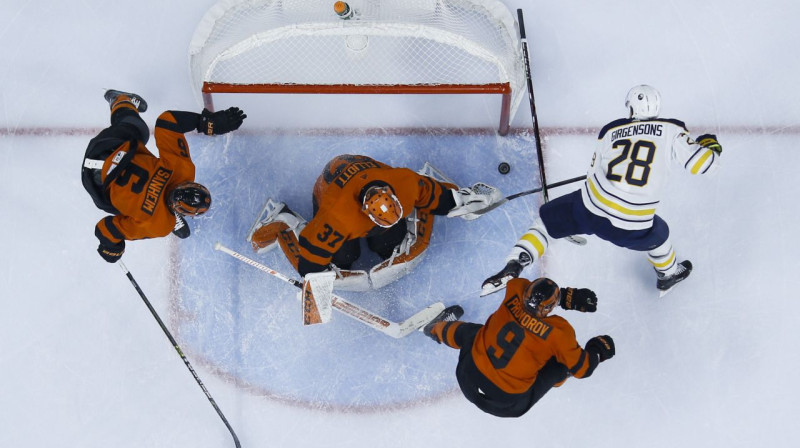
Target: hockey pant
{"x": 566, "y": 215}
{"x": 126, "y": 125}
{"x": 483, "y": 393}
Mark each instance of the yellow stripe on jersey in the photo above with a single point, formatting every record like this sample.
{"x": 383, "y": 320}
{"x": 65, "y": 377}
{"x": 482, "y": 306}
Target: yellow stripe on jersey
{"x": 611, "y": 204}
{"x": 699, "y": 164}
{"x": 535, "y": 242}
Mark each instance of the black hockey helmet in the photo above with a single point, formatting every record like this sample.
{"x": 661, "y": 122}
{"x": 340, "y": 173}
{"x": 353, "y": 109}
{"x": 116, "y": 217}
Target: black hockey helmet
{"x": 541, "y": 296}
{"x": 189, "y": 199}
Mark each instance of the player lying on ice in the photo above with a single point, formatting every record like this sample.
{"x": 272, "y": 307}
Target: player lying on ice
{"x": 358, "y": 197}
{"x": 623, "y": 187}
{"x": 147, "y": 196}
{"x": 507, "y": 364}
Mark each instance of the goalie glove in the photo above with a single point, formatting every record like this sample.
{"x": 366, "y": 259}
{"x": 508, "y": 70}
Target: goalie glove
{"x": 583, "y": 300}
{"x": 474, "y": 199}
{"x": 220, "y": 122}
{"x": 710, "y": 141}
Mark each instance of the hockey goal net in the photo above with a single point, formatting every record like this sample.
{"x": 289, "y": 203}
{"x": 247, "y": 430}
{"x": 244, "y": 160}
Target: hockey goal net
{"x": 387, "y": 46}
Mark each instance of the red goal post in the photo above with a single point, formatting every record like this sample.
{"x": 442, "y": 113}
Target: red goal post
{"x": 387, "y": 47}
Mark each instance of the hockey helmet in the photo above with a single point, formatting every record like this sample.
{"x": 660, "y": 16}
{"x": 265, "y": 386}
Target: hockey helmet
{"x": 541, "y": 296}
{"x": 643, "y": 102}
{"x": 189, "y": 199}
{"x": 381, "y": 205}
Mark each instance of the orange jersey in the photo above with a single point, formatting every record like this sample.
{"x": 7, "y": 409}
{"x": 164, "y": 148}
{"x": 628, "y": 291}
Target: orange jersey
{"x": 140, "y": 191}
{"x": 337, "y": 193}
{"x": 513, "y": 346}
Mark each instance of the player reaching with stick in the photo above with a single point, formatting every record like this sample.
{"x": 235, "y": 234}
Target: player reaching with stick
{"x": 622, "y": 190}
{"x": 507, "y": 364}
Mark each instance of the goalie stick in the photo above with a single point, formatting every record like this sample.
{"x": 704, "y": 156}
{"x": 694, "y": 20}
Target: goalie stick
{"x": 385, "y": 326}
{"x": 536, "y": 137}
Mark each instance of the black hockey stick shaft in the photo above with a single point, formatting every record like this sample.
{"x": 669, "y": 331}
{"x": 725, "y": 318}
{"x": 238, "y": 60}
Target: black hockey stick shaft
{"x": 531, "y": 99}
{"x": 180, "y": 352}
{"x": 553, "y": 185}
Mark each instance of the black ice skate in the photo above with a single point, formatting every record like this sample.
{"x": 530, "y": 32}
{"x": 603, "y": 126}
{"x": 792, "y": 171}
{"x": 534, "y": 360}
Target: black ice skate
{"x": 449, "y": 314}
{"x": 498, "y": 281}
{"x": 138, "y": 102}
{"x": 665, "y": 283}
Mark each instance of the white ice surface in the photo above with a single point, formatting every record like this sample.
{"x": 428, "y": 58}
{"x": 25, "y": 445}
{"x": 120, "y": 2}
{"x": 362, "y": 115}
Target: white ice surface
{"x": 83, "y": 364}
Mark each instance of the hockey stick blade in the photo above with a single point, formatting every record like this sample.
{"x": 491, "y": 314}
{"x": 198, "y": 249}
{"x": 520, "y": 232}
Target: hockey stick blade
{"x": 420, "y": 319}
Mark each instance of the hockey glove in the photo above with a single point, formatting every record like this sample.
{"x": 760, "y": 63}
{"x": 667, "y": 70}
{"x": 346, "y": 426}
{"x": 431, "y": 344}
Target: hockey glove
{"x": 220, "y": 122}
{"x": 710, "y": 141}
{"x": 111, "y": 252}
{"x": 583, "y": 300}
{"x": 602, "y": 346}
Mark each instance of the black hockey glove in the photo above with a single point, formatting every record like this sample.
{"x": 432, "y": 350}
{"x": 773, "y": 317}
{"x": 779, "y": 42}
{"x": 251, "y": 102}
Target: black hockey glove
{"x": 111, "y": 252}
{"x": 220, "y": 122}
{"x": 583, "y": 300}
{"x": 710, "y": 141}
{"x": 603, "y": 346}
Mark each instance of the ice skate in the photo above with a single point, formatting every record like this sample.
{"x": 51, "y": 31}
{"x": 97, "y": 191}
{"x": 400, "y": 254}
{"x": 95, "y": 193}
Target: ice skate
{"x": 116, "y": 96}
{"x": 498, "y": 281}
{"x": 275, "y": 217}
{"x": 449, "y": 314}
{"x": 666, "y": 283}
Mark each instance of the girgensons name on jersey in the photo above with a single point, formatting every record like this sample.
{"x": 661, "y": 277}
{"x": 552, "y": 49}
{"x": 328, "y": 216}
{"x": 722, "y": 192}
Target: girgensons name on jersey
{"x": 638, "y": 129}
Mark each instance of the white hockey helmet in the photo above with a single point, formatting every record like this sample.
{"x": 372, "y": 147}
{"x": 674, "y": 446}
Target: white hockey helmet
{"x": 643, "y": 102}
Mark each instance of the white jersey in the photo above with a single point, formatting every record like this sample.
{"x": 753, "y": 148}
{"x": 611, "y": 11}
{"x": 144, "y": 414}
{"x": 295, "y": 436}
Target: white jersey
{"x": 631, "y": 165}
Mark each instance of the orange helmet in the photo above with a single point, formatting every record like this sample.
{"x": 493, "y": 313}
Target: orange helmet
{"x": 189, "y": 199}
{"x": 382, "y": 206}
{"x": 541, "y": 296}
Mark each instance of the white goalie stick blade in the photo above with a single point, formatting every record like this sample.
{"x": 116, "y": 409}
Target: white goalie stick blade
{"x": 385, "y": 326}
{"x": 318, "y": 297}
{"x": 270, "y": 208}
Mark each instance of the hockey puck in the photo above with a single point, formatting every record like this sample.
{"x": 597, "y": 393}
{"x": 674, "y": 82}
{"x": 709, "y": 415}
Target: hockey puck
{"x": 504, "y": 168}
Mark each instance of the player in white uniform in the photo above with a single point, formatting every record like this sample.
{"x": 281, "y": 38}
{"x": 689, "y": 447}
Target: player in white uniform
{"x": 622, "y": 190}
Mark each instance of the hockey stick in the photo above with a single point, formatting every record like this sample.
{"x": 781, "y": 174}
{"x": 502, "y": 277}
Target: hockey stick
{"x": 180, "y": 352}
{"x": 385, "y": 326}
{"x": 525, "y": 193}
{"x": 536, "y": 137}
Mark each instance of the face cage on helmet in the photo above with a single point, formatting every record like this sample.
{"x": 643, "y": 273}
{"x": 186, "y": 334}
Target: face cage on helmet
{"x": 543, "y": 308}
{"x": 379, "y": 222}
{"x": 188, "y": 201}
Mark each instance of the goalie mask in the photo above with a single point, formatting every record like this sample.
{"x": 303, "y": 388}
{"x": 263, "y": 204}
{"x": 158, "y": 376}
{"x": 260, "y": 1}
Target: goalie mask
{"x": 643, "y": 102}
{"x": 189, "y": 199}
{"x": 541, "y": 296}
{"x": 382, "y": 206}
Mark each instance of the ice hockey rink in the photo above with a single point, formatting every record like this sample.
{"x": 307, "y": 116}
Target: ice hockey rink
{"x": 84, "y": 364}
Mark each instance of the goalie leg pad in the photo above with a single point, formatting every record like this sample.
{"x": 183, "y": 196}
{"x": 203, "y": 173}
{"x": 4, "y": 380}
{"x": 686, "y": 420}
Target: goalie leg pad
{"x": 275, "y": 217}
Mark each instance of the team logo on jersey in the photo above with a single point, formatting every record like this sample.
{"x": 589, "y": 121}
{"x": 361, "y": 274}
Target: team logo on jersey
{"x": 154, "y": 190}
